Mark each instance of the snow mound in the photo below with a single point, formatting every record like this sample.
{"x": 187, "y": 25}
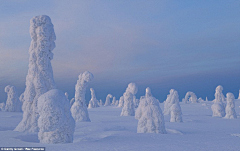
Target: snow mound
{"x": 56, "y": 124}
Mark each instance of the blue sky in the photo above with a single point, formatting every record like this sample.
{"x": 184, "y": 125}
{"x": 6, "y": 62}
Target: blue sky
{"x": 185, "y": 45}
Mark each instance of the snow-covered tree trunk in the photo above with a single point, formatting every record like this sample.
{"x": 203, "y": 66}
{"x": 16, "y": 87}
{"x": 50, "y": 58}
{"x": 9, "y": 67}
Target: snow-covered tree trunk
{"x": 79, "y": 108}
{"x": 149, "y": 115}
{"x": 93, "y": 103}
{"x": 218, "y": 108}
{"x": 40, "y": 75}
{"x": 230, "y": 108}
{"x": 108, "y": 101}
{"x": 56, "y": 124}
{"x": 13, "y": 103}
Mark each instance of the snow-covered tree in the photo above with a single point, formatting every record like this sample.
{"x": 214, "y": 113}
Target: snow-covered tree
{"x": 149, "y": 115}
{"x": 218, "y": 108}
{"x": 21, "y": 98}
{"x": 2, "y": 106}
{"x": 239, "y": 95}
{"x": 200, "y": 100}
{"x": 121, "y": 102}
{"x": 13, "y": 103}
{"x": 93, "y": 103}
{"x": 230, "y": 108}
{"x": 40, "y": 75}
{"x": 113, "y": 100}
{"x": 108, "y": 101}
{"x": 135, "y": 101}
{"x": 172, "y": 106}
{"x": 206, "y": 99}
{"x": 191, "y": 99}
{"x": 128, "y": 108}
{"x": 79, "y": 108}
{"x": 56, "y": 124}
{"x": 116, "y": 103}
{"x": 100, "y": 102}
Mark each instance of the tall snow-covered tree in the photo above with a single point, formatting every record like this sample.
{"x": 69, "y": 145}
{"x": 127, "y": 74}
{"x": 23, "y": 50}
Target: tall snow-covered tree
{"x": 149, "y": 115}
{"x": 230, "y": 108}
{"x": 128, "y": 108}
{"x": 79, "y": 108}
{"x": 108, "y": 101}
{"x": 13, "y": 103}
{"x": 93, "y": 103}
{"x": 218, "y": 108}
{"x": 39, "y": 79}
{"x": 56, "y": 124}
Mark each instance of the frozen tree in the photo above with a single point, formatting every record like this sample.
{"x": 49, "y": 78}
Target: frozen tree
{"x": 93, "y": 103}
{"x": 206, "y": 99}
{"x": 230, "y": 108}
{"x": 149, "y": 115}
{"x": 79, "y": 108}
{"x": 116, "y": 104}
{"x": 128, "y": 108}
{"x": 200, "y": 100}
{"x": 190, "y": 97}
{"x": 121, "y": 102}
{"x": 2, "y": 106}
{"x": 56, "y": 124}
{"x": 66, "y": 94}
{"x": 100, "y": 103}
{"x": 218, "y": 108}
{"x": 171, "y": 99}
{"x": 176, "y": 113}
{"x": 113, "y": 100}
{"x": 108, "y": 101}
{"x": 239, "y": 95}
{"x": 40, "y": 75}
{"x": 13, "y": 103}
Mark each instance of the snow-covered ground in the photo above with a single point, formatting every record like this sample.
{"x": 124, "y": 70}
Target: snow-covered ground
{"x": 110, "y": 131}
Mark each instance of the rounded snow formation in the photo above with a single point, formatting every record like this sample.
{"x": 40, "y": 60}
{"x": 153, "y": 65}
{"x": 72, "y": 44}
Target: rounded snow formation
{"x": 218, "y": 108}
{"x": 39, "y": 79}
{"x": 56, "y": 124}
{"x": 129, "y": 107}
{"x": 13, "y": 103}
{"x": 121, "y": 102}
{"x": 79, "y": 108}
{"x": 149, "y": 115}
{"x": 230, "y": 108}
{"x": 190, "y": 97}
{"x": 93, "y": 103}
{"x": 108, "y": 101}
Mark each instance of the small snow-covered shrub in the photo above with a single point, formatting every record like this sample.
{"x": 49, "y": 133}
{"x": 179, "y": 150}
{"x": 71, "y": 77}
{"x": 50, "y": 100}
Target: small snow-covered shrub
{"x": 2, "y": 106}
{"x": 100, "y": 102}
{"x": 113, "y": 100}
{"x": 176, "y": 113}
{"x": 13, "y": 103}
{"x": 230, "y": 108}
{"x": 56, "y": 124}
{"x": 128, "y": 107}
{"x": 218, "y": 108}
{"x": 79, "y": 108}
{"x": 116, "y": 103}
{"x": 93, "y": 103}
{"x": 121, "y": 102}
{"x": 149, "y": 115}
{"x": 108, "y": 101}
{"x": 200, "y": 100}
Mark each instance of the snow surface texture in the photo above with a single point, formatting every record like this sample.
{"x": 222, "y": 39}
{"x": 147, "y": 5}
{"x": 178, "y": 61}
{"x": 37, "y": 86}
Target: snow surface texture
{"x": 93, "y": 103}
{"x": 108, "y": 101}
{"x": 56, "y": 124}
{"x": 218, "y": 108}
{"x": 230, "y": 108}
{"x": 149, "y": 115}
{"x": 121, "y": 102}
{"x": 191, "y": 99}
{"x": 79, "y": 108}
{"x": 128, "y": 108}
{"x": 13, "y": 103}
{"x": 40, "y": 75}
{"x": 110, "y": 132}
